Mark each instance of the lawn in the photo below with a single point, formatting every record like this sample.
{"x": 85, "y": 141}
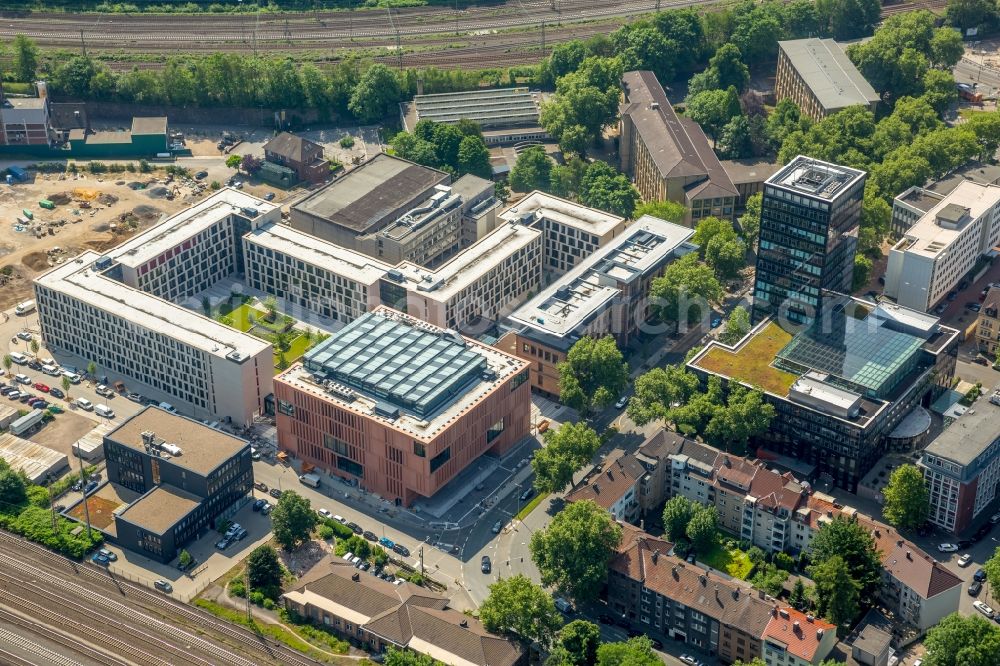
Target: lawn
{"x": 239, "y": 318}
{"x": 751, "y": 363}
{"x": 530, "y": 506}
{"x": 734, "y": 562}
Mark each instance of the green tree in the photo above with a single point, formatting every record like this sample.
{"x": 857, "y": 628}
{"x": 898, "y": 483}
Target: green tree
{"x": 712, "y": 109}
{"x": 532, "y": 171}
{"x": 576, "y": 644}
{"x": 677, "y": 514}
{"x": 959, "y": 640}
{"x": 518, "y": 606}
{"x": 567, "y": 448}
{"x": 92, "y": 369}
{"x": 965, "y": 14}
{"x": 292, "y": 520}
{"x": 566, "y": 178}
{"x": 586, "y": 101}
{"x": 798, "y": 595}
{"x": 13, "y": 488}
{"x": 474, "y": 157}
{"x": 729, "y": 68}
{"x": 573, "y": 552}
{"x": 605, "y": 188}
{"x": 736, "y": 140}
{"x": 8, "y": 362}
{"x": 845, "y": 538}
{"x": 264, "y": 570}
{"x": 992, "y": 569}
{"x": 702, "y": 529}
{"x": 66, "y": 385}
{"x": 25, "y": 58}
{"x": 685, "y": 291}
{"x": 379, "y": 556}
{"x": 233, "y": 161}
{"x": 671, "y": 211}
{"x": 658, "y": 391}
{"x": 939, "y": 90}
{"x": 737, "y": 326}
{"x": 726, "y": 255}
{"x": 837, "y": 592}
{"x": 906, "y": 498}
{"x": 184, "y": 560}
{"x": 641, "y": 46}
{"x": 769, "y": 578}
{"x": 376, "y": 94}
{"x": 946, "y": 48}
{"x": 756, "y": 661}
{"x": 593, "y": 375}
{"x": 862, "y": 271}
{"x": 636, "y": 651}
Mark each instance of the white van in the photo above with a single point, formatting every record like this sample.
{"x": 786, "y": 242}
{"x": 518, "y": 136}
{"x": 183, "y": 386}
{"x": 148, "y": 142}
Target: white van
{"x": 72, "y": 377}
{"x": 51, "y": 370}
{"x": 167, "y": 406}
{"x": 83, "y": 403}
{"x": 24, "y": 308}
{"x": 18, "y": 358}
{"x": 105, "y": 411}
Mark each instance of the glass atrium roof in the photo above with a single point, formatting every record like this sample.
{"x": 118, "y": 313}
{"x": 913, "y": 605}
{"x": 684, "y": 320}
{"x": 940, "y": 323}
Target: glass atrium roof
{"x": 864, "y": 352}
{"x": 416, "y": 369}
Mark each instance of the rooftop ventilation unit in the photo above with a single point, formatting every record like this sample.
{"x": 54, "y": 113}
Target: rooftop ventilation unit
{"x": 237, "y": 356}
{"x": 385, "y": 410}
{"x": 340, "y": 391}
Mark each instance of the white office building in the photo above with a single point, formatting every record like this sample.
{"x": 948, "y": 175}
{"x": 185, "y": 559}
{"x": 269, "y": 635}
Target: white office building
{"x": 944, "y": 245}
{"x": 203, "y": 368}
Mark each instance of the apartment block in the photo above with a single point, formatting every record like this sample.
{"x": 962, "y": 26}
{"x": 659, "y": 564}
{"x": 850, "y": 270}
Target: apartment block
{"x": 668, "y": 156}
{"x": 614, "y": 486}
{"x": 662, "y": 595}
{"x": 810, "y": 214}
{"x": 778, "y": 513}
{"x": 399, "y": 406}
{"x": 818, "y": 76}
{"x": 988, "y": 325}
{"x": 793, "y": 638}
{"x": 913, "y": 203}
{"x": 24, "y": 121}
{"x": 943, "y": 246}
{"x": 606, "y": 294}
{"x": 192, "y": 250}
{"x": 571, "y": 231}
{"x": 962, "y": 466}
{"x": 171, "y": 353}
{"x": 188, "y": 477}
{"x": 840, "y": 386}
{"x": 380, "y": 616}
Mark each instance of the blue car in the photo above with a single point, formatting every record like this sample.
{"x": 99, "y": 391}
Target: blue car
{"x": 89, "y": 488}
{"x": 100, "y": 559}
{"x": 387, "y": 542}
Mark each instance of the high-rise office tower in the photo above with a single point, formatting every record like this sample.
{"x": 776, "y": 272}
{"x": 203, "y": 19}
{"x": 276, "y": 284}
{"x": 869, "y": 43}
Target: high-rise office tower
{"x": 808, "y": 237}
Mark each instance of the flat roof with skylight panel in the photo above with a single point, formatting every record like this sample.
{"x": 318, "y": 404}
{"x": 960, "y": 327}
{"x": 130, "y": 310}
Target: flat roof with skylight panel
{"x": 409, "y": 366}
{"x": 815, "y": 178}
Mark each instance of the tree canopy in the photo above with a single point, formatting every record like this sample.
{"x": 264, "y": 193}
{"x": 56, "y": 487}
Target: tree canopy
{"x": 604, "y": 188}
{"x": 264, "y": 570}
{"x": 636, "y": 651}
{"x": 963, "y": 640}
{"x": 686, "y": 291}
{"x": 593, "y": 375}
{"x": 376, "y": 94}
{"x": 567, "y": 448}
{"x": 906, "y": 498}
{"x": 845, "y": 538}
{"x": 518, "y": 606}
{"x": 576, "y": 644}
{"x": 670, "y": 211}
{"x": 292, "y": 520}
{"x": 532, "y": 171}
{"x": 837, "y": 592}
{"x": 737, "y": 326}
{"x": 677, "y": 514}
{"x": 573, "y": 552}
{"x": 458, "y": 149}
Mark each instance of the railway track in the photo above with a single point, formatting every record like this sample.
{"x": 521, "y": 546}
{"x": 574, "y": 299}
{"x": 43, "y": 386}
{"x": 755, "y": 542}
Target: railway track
{"x": 55, "y": 569}
{"x": 72, "y": 644}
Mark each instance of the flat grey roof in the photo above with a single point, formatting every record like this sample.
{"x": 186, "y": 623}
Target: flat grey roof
{"x": 202, "y": 448}
{"x": 495, "y": 107}
{"x": 153, "y": 125}
{"x": 753, "y": 170}
{"x": 365, "y": 196}
{"x": 161, "y": 508}
{"x": 815, "y": 178}
{"x": 970, "y": 434}
{"x": 831, "y": 76}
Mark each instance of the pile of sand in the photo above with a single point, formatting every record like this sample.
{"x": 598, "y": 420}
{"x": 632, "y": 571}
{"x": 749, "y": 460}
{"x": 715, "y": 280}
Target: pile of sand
{"x": 146, "y": 213}
{"x": 84, "y": 194}
{"x": 156, "y": 192}
{"x": 107, "y": 199}
{"x": 60, "y": 198}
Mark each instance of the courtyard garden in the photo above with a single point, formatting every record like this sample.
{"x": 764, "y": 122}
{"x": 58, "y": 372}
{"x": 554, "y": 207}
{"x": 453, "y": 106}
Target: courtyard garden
{"x": 267, "y": 323}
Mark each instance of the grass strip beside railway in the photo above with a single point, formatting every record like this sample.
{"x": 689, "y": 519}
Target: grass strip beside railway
{"x": 273, "y": 631}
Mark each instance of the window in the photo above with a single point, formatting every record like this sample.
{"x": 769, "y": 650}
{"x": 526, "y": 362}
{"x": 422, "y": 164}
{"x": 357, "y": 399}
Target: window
{"x": 286, "y": 408}
{"x": 519, "y": 379}
{"x": 494, "y": 431}
{"x": 440, "y": 459}
{"x": 419, "y": 449}
{"x": 334, "y": 444}
{"x": 349, "y": 466}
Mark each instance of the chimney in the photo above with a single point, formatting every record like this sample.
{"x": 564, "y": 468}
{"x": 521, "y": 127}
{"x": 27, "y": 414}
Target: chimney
{"x": 464, "y": 623}
{"x": 704, "y": 580}
{"x": 656, "y": 555}
{"x": 796, "y": 627}
{"x": 819, "y": 634}
{"x": 909, "y": 555}
{"x": 597, "y": 489}
{"x": 810, "y": 618}
{"x": 356, "y": 577}
{"x": 43, "y": 89}
{"x": 774, "y": 611}
{"x": 736, "y": 594}
{"x": 899, "y": 542}
{"x": 760, "y": 593}
{"x": 673, "y": 571}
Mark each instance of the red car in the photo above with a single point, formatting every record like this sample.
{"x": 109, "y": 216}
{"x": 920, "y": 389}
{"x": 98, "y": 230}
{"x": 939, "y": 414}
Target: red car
{"x": 42, "y": 387}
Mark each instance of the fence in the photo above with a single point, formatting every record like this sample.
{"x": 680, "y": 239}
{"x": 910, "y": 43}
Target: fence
{"x": 145, "y": 582}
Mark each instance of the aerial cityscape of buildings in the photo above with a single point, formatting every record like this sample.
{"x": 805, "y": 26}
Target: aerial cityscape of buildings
{"x": 723, "y": 366}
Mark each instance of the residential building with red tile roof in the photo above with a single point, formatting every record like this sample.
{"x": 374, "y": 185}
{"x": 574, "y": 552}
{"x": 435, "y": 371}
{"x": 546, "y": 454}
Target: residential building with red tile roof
{"x": 662, "y": 595}
{"x": 793, "y": 638}
{"x": 615, "y": 487}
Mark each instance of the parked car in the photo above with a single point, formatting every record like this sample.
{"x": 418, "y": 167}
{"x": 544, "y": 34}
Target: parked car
{"x": 201, "y": 175}
{"x": 622, "y": 401}
{"x": 269, "y": 196}
{"x": 340, "y": 519}
{"x": 325, "y": 513}
{"x": 56, "y": 393}
{"x": 657, "y": 643}
{"x": 528, "y": 494}
{"x": 401, "y": 549}
{"x": 716, "y": 321}
{"x": 370, "y": 535}
{"x": 355, "y": 528}
{"x": 497, "y": 526}
{"x": 108, "y": 554}
{"x": 275, "y": 493}
{"x": 24, "y": 335}
{"x": 259, "y": 504}
{"x": 134, "y": 397}
{"x": 983, "y": 608}
{"x": 104, "y": 391}
{"x": 163, "y": 586}
{"x": 485, "y": 565}
{"x": 965, "y": 543}
{"x": 980, "y": 575}
{"x": 983, "y": 530}
{"x": 965, "y": 560}
{"x": 995, "y": 518}
{"x": 22, "y": 379}
{"x": 266, "y": 509}
{"x": 975, "y": 587}
{"x": 223, "y": 543}
{"x": 262, "y": 487}
{"x": 688, "y": 659}
{"x": 947, "y": 547}
{"x": 42, "y": 387}
{"x": 100, "y": 560}
{"x": 975, "y": 307}
{"x": 386, "y": 542}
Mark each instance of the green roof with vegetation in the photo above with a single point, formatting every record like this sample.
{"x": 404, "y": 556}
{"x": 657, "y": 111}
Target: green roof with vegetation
{"x": 751, "y": 362}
